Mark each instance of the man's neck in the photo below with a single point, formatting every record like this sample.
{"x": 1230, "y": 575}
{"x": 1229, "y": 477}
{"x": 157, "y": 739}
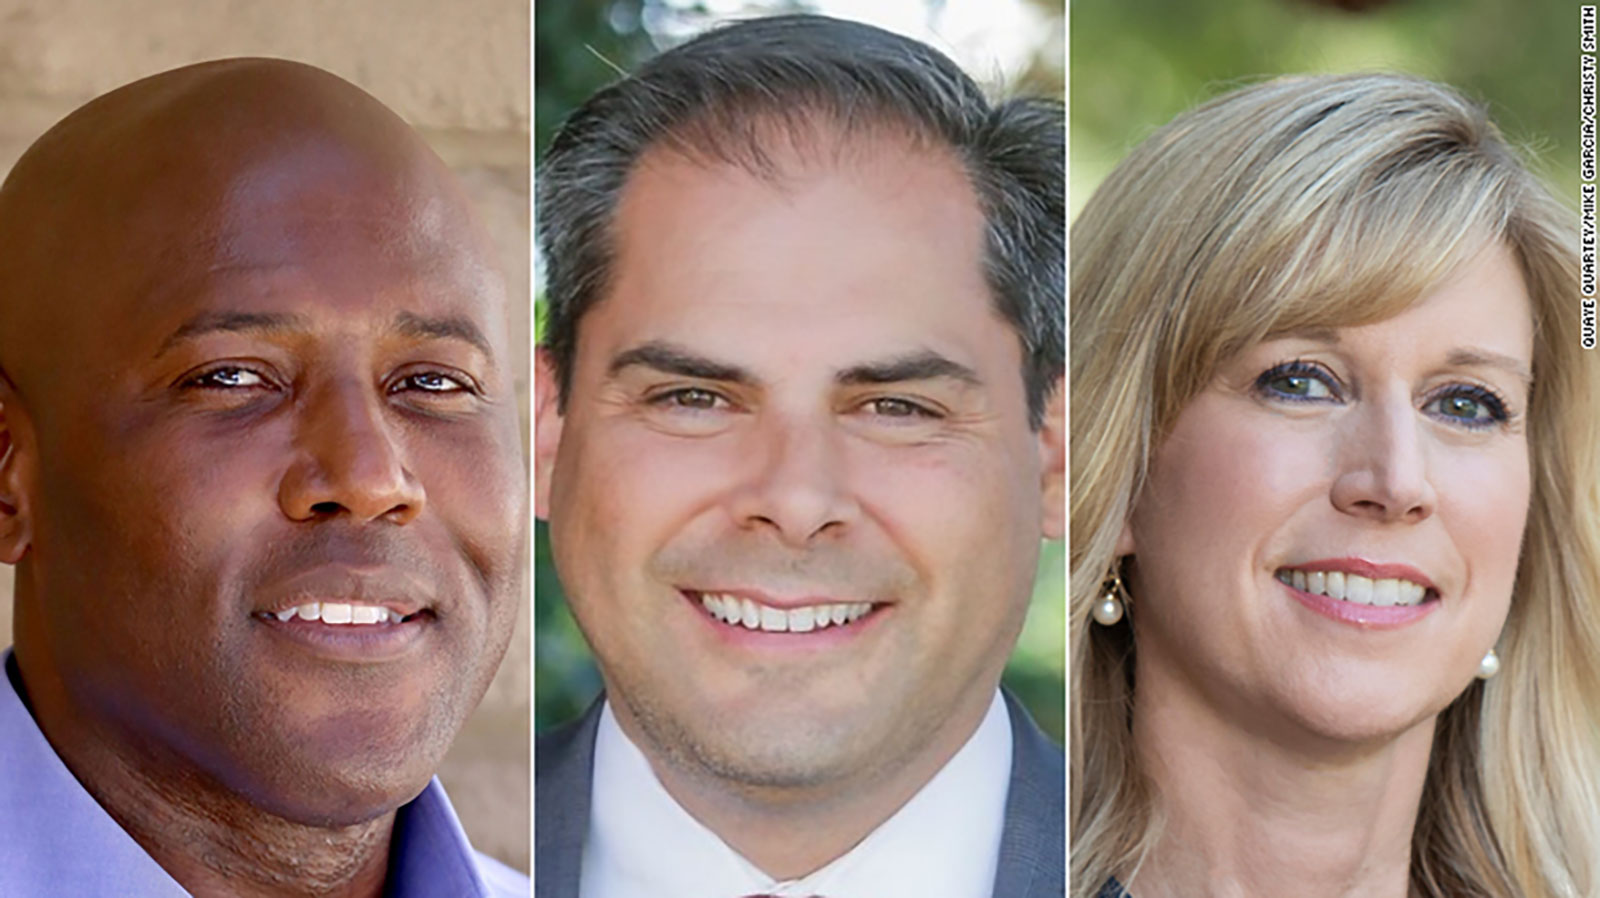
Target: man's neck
{"x": 789, "y": 833}
{"x": 209, "y": 840}
{"x": 1246, "y": 815}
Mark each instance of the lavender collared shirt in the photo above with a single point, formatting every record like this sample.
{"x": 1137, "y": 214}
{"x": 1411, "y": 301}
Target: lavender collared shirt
{"x": 55, "y": 839}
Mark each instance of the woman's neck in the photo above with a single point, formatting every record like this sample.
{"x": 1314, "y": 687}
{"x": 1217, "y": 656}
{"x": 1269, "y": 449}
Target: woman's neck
{"x": 1255, "y": 812}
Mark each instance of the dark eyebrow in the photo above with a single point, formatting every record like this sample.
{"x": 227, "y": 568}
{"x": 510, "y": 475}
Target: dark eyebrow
{"x": 674, "y": 359}
{"x": 922, "y": 365}
{"x": 1473, "y": 356}
{"x": 406, "y": 323}
{"x": 449, "y": 327}
{"x": 211, "y": 322}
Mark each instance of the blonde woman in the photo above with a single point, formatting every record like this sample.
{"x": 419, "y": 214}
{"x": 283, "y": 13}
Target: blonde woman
{"x": 1335, "y": 589}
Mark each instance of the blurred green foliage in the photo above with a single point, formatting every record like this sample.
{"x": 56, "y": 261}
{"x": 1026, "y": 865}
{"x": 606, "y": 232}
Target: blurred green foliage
{"x": 1137, "y": 63}
{"x": 579, "y": 46}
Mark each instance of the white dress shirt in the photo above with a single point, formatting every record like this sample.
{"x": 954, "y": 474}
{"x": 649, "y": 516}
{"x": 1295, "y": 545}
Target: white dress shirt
{"x": 943, "y": 843}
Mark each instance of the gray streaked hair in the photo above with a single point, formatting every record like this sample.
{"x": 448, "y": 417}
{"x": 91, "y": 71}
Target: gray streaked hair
{"x": 714, "y": 98}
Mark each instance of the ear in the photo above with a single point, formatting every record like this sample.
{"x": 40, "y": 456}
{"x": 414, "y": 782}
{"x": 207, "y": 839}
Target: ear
{"x": 547, "y": 421}
{"x": 16, "y": 470}
{"x": 1053, "y": 463}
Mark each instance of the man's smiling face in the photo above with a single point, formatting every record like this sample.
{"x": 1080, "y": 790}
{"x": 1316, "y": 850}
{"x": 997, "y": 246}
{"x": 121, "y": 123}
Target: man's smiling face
{"x": 794, "y": 497}
{"x": 279, "y": 381}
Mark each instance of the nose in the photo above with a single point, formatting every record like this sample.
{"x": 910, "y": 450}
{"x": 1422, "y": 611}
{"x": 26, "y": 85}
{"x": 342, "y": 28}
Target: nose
{"x": 1383, "y": 464}
{"x": 799, "y": 488}
{"x": 347, "y": 461}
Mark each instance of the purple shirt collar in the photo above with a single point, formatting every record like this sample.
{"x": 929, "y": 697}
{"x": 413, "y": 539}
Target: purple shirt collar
{"x": 55, "y": 839}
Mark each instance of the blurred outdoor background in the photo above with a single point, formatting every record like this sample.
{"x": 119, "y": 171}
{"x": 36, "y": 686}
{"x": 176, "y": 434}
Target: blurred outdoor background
{"x": 1137, "y": 63}
{"x": 458, "y": 73}
{"x": 1005, "y": 44}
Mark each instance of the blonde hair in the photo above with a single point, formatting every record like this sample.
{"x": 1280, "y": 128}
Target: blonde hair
{"x": 1331, "y": 201}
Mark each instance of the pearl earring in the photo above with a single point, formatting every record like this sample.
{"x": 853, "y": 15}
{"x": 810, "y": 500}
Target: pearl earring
{"x": 1489, "y": 666}
{"x": 1109, "y": 609}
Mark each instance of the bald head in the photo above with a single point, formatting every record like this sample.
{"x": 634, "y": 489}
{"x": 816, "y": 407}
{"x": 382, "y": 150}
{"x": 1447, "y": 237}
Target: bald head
{"x": 255, "y": 350}
{"x": 153, "y": 186}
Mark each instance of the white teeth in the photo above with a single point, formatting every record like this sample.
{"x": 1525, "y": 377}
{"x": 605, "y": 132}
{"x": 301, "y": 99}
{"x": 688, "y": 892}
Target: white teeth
{"x": 1355, "y": 588}
{"x": 340, "y": 613}
{"x": 1335, "y": 587}
{"x": 801, "y": 620}
{"x": 747, "y": 613}
{"x": 774, "y": 620}
{"x": 1385, "y": 592}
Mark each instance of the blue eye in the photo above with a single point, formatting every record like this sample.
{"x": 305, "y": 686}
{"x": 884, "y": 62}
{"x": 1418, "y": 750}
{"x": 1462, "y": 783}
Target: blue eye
{"x": 1469, "y": 405}
{"x": 1299, "y": 381}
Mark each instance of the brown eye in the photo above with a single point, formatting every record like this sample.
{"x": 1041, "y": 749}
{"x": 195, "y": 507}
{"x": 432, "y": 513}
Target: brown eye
{"x": 691, "y": 398}
{"x": 232, "y": 378}
{"x": 892, "y": 407}
{"x": 433, "y": 382}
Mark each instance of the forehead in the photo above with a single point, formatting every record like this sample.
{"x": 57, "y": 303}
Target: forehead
{"x": 257, "y": 192}
{"x": 1483, "y": 301}
{"x": 342, "y": 260}
{"x": 870, "y": 247}
{"x": 308, "y": 231}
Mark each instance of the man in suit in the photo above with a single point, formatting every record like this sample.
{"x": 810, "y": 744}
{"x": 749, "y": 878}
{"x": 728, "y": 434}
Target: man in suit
{"x": 798, "y": 435}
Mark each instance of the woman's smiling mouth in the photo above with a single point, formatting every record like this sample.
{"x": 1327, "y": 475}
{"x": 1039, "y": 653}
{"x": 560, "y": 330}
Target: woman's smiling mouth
{"x": 1356, "y": 588}
{"x": 1360, "y": 592}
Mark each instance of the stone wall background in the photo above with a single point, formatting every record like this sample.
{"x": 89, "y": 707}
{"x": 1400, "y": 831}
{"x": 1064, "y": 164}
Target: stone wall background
{"x": 458, "y": 72}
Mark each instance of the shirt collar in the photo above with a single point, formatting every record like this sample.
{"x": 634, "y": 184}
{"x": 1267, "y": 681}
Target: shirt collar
{"x": 944, "y": 841}
{"x": 55, "y": 839}
{"x": 430, "y": 854}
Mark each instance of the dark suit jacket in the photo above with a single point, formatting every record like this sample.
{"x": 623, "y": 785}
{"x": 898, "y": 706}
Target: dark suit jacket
{"x": 1032, "y": 852}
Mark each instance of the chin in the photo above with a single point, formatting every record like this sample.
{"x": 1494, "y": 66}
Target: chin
{"x": 1361, "y": 715}
{"x": 341, "y": 770}
{"x": 778, "y": 747}
{"x": 796, "y": 760}
{"x": 352, "y": 794}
